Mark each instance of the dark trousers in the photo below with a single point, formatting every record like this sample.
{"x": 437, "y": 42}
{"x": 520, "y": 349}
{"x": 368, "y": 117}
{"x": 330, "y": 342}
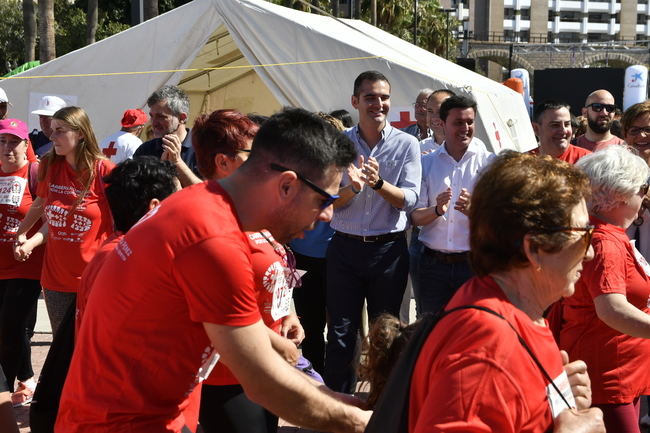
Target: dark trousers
{"x": 309, "y": 300}
{"x": 18, "y": 298}
{"x": 415, "y": 253}
{"x": 374, "y": 271}
{"x": 226, "y": 409}
{"x": 439, "y": 281}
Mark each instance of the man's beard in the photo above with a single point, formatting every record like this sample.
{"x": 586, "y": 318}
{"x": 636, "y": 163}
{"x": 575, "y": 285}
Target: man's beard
{"x": 598, "y": 128}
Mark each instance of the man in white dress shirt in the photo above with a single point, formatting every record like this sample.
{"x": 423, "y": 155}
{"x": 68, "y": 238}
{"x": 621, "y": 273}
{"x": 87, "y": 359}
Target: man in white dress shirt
{"x": 448, "y": 177}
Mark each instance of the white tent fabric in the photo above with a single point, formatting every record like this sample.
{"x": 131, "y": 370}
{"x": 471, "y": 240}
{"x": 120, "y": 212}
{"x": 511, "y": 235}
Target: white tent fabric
{"x": 297, "y": 59}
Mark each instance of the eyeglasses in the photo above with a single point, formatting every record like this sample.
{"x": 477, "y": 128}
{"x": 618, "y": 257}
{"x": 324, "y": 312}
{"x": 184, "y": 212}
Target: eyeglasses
{"x": 419, "y": 105}
{"x": 644, "y": 188}
{"x": 329, "y": 198}
{"x": 244, "y": 150}
{"x": 638, "y": 130}
{"x": 598, "y": 107}
{"x": 586, "y": 237}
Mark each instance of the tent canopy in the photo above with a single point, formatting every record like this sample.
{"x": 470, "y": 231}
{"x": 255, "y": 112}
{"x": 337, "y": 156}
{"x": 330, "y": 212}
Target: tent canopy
{"x": 257, "y": 57}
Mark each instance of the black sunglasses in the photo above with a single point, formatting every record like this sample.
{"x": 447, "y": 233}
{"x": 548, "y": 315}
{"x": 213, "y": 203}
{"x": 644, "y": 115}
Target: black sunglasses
{"x": 586, "y": 237}
{"x": 598, "y": 107}
{"x": 329, "y": 198}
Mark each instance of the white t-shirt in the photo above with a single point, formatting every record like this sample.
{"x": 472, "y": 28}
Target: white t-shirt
{"x": 120, "y": 146}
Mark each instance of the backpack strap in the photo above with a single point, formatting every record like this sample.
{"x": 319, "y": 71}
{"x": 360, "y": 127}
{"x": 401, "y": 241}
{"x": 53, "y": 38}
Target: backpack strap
{"x": 391, "y": 411}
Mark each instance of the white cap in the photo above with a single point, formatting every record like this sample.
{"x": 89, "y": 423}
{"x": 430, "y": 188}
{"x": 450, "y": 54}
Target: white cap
{"x": 49, "y": 105}
{"x": 3, "y": 96}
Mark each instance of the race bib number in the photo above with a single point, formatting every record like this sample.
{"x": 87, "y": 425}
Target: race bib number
{"x": 12, "y": 189}
{"x": 281, "y": 306}
{"x": 555, "y": 401}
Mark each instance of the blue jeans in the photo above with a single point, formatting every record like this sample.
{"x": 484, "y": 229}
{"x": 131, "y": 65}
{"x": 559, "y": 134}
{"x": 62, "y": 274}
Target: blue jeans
{"x": 375, "y": 271}
{"x": 439, "y": 281}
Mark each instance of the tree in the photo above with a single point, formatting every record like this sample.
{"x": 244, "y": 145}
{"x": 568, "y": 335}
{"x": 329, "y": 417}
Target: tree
{"x": 11, "y": 44}
{"x": 47, "y": 46}
{"x": 29, "y": 26}
{"x": 150, "y": 9}
{"x": 91, "y": 20}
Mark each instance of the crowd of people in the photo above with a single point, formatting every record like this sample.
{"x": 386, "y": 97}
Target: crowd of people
{"x": 169, "y": 269}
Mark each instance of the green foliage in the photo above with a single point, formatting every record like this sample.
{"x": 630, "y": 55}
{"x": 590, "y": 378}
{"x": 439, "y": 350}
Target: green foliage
{"x": 11, "y": 35}
{"x": 396, "y": 17}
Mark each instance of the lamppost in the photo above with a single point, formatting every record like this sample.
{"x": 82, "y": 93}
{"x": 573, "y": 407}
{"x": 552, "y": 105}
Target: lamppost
{"x": 448, "y": 12}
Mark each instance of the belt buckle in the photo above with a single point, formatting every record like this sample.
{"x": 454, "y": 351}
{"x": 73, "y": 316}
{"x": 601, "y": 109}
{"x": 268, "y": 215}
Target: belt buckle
{"x": 366, "y": 240}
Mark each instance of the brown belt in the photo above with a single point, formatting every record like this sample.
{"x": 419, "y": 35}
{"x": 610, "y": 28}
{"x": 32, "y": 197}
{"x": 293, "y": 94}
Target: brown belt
{"x": 448, "y": 258}
{"x": 374, "y": 238}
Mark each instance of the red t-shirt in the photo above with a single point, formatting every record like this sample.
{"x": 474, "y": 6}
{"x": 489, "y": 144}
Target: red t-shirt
{"x": 72, "y": 239}
{"x": 142, "y": 343}
{"x": 273, "y": 292}
{"x": 615, "y": 360}
{"x": 15, "y": 200}
{"x": 474, "y": 375}
{"x": 571, "y": 155}
{"x": 594, "y": 146}
{"x": 90, "y": 274}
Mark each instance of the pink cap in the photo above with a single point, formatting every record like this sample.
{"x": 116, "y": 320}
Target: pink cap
{"x": 14, "y": 127}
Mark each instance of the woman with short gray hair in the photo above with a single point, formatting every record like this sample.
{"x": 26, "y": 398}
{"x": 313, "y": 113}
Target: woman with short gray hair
{"x": 606, "y": 321}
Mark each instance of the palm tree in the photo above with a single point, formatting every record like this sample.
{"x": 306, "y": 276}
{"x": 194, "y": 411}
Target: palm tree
{"x": 29, "y": 25}
{"x": 47, "y": 47}
{"x": 91, "y": 20}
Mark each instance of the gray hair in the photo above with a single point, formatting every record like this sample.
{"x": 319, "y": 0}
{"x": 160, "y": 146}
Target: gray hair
{"x": 176, "y": 98}
{"x": 615, "y": 174}
{"x": 426, "y": 91}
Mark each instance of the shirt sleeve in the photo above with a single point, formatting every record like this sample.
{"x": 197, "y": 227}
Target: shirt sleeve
{"x": 606, "y": 272}
{"x": 423, "y": 198}
{"x": 411, "y": 175}
{"x": 217, "y": 279}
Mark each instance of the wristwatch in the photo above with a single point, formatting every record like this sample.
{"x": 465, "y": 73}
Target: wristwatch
{"x": 377, "y": 186}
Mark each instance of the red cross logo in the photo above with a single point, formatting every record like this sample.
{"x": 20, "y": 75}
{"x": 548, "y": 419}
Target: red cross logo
{"x": 110, "y": 150}
{"x": 404, "y": 120}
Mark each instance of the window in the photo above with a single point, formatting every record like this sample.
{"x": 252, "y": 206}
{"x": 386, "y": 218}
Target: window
{"x": 508, "y": 14}
{"x": 570, "y": 17}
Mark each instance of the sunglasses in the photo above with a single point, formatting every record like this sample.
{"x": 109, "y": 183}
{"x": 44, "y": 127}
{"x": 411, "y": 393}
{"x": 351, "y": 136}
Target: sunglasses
{"x": 329, "y": 198}
{"x": 586, "y": 237}
{"x": 637, "y": 131}
{"x": 598, "y": 107}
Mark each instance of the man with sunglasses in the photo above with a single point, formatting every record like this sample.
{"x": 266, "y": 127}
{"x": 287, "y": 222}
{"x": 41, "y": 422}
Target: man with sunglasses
{"x": 179, "y": 288}
{"x": 367, "y": 258}
{"x": 599, "y": 111}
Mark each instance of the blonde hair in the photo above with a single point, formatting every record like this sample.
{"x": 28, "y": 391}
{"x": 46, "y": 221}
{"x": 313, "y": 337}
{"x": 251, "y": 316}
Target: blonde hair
{"x": 87, "y": 150}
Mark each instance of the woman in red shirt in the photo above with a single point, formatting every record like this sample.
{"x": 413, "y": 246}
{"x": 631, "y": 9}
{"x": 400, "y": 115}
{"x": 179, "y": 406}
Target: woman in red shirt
{"x": 19, "y": 281}
{"x": 529, "y": 234}
{"x": 606, "y": 322}
{"x": 71, "y": 196}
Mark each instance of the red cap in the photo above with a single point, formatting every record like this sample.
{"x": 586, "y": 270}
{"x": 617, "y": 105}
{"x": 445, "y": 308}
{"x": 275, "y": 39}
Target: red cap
{"x": 14, "y": 127}
{"x": 134, "y": 117}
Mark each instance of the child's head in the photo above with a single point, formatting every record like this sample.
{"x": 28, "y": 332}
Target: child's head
{"x": 386, "y": 340}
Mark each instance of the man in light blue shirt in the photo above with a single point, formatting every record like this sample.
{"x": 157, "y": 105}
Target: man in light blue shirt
{"x": 368, "y": 256}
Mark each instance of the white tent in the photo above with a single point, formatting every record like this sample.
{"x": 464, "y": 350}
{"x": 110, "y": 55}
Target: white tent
{"x": 256, "y": 57}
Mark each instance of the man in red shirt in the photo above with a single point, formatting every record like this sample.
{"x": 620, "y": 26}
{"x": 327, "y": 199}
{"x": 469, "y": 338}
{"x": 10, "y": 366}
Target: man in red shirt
{"x": 552, "y": 126}
{"x": 177, "y": 294}
{"x": 599, "y": 111}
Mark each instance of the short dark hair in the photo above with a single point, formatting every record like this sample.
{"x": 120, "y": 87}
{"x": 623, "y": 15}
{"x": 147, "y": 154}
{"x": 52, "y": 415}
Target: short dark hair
{"x": 222, "y": 131}
{"x": 177, "y": 100}
{"x": 371, "y": 76}
{"x": 456, "y": 102}
{"x": 548, "y": 105}
{"x": 344, "y": 116}
{"x": 528, "y": 194}
{"x": 132, "y": 185}
{"x": 257, "y": 119}
{"x": 300, "y": 140}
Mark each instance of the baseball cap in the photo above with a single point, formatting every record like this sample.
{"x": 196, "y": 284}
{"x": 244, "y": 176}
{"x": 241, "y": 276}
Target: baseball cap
{"x": 3, "y": 96}
{"x": 49, "y": 105}
{"x": 14, "y": 127}
{"x": 134, "y": 117}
